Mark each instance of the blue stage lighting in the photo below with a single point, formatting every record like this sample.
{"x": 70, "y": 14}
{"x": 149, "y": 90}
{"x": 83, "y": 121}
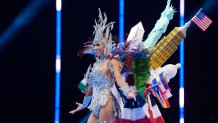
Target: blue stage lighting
{"x": 181, "y": 75}
{"x": 58, "y": 62}
{"x": 121, "y": 21}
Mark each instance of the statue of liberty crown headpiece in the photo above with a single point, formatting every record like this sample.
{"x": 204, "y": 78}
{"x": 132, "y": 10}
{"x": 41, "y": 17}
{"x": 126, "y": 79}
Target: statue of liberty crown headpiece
{"x": 102, "y": 32}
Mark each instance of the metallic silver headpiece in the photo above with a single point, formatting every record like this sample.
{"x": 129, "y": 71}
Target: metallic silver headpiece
{"x": 102, "y": 32}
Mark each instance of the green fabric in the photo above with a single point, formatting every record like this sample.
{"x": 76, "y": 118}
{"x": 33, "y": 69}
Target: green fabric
{"x": 141, "y": 91}
{"x": 82, "y": 87}
{"x": 141, "y": 70}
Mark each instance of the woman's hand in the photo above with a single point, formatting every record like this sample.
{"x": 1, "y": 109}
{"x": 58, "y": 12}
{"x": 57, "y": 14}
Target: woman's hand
{"x": 131, "y": 94}
{"x": 79, "y": 107}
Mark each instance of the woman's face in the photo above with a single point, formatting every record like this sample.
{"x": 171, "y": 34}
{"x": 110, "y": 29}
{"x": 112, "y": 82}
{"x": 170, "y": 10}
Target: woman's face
{"x": 99, "y": 48}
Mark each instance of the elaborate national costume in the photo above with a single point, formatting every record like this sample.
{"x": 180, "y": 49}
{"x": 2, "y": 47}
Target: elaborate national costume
{"x": 141, "y": 69}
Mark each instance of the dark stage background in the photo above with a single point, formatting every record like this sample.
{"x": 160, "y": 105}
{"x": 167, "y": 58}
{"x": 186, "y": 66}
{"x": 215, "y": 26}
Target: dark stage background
{"x": 27, "y": 62}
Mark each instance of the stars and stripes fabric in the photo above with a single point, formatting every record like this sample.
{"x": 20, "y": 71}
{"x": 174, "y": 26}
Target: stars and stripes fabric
{"x": 131, "y": 111}
{"x": 154, "y": 112}
{"x": 139, "y": 111}
{"x": 201, "y": 20}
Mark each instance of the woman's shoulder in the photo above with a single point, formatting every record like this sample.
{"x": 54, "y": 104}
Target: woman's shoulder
{"x": 115, "y": 60}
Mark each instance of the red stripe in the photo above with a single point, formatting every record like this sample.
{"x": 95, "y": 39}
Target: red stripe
{"x": 159, "y": 120}
{"x": 151, "y": 118}
{"x": 196, "y": 21}
{"x": 201, "y": 23}
{"x": 207, "y": 21}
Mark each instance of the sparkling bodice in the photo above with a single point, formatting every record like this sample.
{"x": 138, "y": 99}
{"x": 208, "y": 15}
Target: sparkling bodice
{"x": 98, "y": 79}
{"x": 101, "y": 86}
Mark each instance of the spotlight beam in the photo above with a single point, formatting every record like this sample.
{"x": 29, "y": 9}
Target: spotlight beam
{"x": 22, "y": 20}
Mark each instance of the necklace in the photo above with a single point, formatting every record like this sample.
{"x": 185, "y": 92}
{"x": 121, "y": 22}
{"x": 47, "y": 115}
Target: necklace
{"x": 101, "y": 58}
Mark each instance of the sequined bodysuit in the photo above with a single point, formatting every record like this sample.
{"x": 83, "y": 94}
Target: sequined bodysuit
{"x": 101, "y": 86}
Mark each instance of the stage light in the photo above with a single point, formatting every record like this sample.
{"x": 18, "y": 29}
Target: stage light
{"x": 121, "y": 21}
{"x": 181, "y": 75}
{"x": 58, "y": 5}
{"x": 58, "y": 62}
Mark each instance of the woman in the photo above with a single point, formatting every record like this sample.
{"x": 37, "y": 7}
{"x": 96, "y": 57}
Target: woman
{"x": 104, "y": 73}
{"x": 111, "y": 95}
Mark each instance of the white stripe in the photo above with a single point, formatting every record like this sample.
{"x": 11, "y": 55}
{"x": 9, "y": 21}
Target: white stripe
{"x": 168, "y": 94}
{"x": 145, "y": 109}
{"x": 136, "y": 113}
{"x": 155, "y": 110}
{"x": 116, "y": 94}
